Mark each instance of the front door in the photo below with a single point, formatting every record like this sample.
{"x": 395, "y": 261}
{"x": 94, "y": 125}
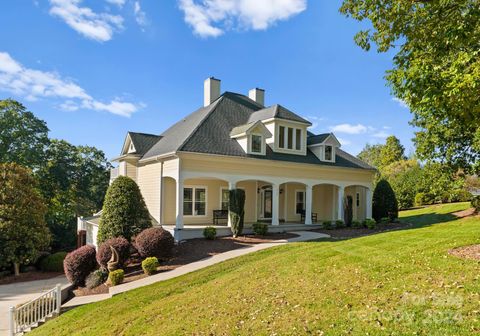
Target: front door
{"x": 267, "y": 204}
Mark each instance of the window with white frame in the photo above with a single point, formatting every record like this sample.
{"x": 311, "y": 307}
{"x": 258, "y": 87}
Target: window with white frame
{"x": 328, "y": 155}
{"x": 256, "y": 143}
{"x": 194, "y": 201}
{"x": 290, "y": 138}
{"x": 299, "y": 201}
{"x": 225, "y": 196}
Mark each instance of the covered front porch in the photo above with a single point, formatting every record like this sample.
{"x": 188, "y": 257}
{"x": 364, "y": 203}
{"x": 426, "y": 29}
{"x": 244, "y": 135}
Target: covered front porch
{"x": 192, "y": 202}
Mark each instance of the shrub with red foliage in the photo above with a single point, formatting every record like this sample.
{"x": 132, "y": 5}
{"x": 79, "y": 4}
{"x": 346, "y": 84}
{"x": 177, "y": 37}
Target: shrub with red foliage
{"x": 154, "y": 242}
{"x": 79, "y": 263}
{"x": 104, "y": 253}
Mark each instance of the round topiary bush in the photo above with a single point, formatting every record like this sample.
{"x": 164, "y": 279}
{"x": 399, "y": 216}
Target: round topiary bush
{"x": 124, "y": 213}
{"x": 79, "y": 263}
{"x": 116, "y": 277}
{"x": 210, "y": 233}
{"x": 260, "y": 229}
{"x": 104, "y": 253}
{"x": 384, "y": 201}
{"x": 154, "y": 242}
{"x": 53, "y": 262}
{"x": 149, "y": 265}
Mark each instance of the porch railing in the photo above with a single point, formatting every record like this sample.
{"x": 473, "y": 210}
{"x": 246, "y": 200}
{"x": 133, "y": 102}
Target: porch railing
{"x": 36, "y": 311}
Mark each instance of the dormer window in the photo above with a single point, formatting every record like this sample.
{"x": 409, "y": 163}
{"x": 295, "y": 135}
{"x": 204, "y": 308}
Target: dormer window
{"x": 290, "y": 138}
{"x": 328, "y": 153}
{"x": 257, "y": 143}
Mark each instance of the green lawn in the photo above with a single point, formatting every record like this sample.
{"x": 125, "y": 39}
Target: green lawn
{"x": 395, "y": 283}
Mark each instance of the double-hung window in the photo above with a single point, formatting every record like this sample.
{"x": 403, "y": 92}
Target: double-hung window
{"x": 194, "y": 201}
{"x": 328, "y": 153}
{"x": 256, "y": 143}
{"x": 224, "y": 200}
{"x": 299, "y": 201}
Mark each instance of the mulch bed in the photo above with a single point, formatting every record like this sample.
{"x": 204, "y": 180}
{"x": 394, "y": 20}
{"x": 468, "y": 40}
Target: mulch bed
{"x": 352, "y": 233}
{"x": 187, "y": 252}
{"x": 467, "y": 252}
{"x": 28, "y": 276}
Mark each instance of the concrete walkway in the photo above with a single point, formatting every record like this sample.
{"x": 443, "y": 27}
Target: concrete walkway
{"x": 303, "y": 236}
{"x": 22, "y": 292}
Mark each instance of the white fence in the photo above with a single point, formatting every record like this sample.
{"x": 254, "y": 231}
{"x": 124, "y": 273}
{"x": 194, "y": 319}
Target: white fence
{"x": 30, "y": 314}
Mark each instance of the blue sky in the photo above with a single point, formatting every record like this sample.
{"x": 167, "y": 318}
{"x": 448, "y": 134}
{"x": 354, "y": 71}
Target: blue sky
{"x": 94, "y": 70}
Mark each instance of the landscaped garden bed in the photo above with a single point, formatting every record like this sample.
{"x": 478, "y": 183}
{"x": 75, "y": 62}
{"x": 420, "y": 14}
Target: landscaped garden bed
{"x": 350, "y": 232}
{"x": 187, "y": 252}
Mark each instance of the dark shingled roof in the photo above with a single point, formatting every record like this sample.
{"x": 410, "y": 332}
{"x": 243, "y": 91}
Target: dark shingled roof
{"x": 208, "y": 129}
{"x": 143, "y": 142}
{"x": 276, "y": 111}
{"x": 317, "y": 139}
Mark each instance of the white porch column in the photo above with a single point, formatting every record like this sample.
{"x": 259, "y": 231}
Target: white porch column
{"x": 341, "y": 193}
{"x": 231, "y": 186}
{"x": 368, "y": 203}
{"x": 179, "y": 203}
{"x": 275, "y": 202}
{"x": 308, "y": 204}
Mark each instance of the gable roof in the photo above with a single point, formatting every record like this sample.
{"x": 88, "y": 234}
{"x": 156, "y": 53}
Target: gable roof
{"x": 244, "y": 129}
{"x": 208, "y": 130}
{"x": 277, "y": 111}
{"x": 143, "y": 141}
{"x": 317, "y": 139}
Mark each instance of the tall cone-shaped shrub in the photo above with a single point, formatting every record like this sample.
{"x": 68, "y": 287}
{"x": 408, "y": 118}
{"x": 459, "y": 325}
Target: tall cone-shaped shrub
{"x": 236, "y": 210}
{"x": 124, "y": 213}
{"x": 384, "y": 201}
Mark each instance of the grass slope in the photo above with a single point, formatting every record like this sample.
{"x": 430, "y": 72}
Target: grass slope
{"x": 394, "y": 283}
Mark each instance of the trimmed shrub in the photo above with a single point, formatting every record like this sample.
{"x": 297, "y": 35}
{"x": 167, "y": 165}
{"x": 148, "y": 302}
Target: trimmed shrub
{"x": 96, "y": 278}
{"x": 476, "y": 203}
{"x": 116, "y": 277}
{"x": 79, "y": 263}
{"x": 327, "y": 225}
{"x": 370, "y": 223}
{"x": 154, "y": 242}
{"x": 340, "y": 224}
{"x": 384, "y": 201}
{"x": 424, "y": 199}
{"x": 384, "y": 220}
{"x": 104, "y": 253}
{"x": 150, "y": 265}
{"x": 236, "y": 210}
{"x": 124, "y": 212}
{"x": 53, "y": 262}
{"x": 460, "y": 195}
{"x": 210, "y": 233}
{"x": 260, "y": 229}
{"x": 357, "y": 224}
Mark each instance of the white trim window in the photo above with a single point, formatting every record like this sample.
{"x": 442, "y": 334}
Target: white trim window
{"x": 299, "y": 201}
{"x": 224, "y": 198}
{"x": 256, "y": 144}
{"x": 290, "y": 138}
{"x": 328, "y": 153}
{"x": 194, "y": 201}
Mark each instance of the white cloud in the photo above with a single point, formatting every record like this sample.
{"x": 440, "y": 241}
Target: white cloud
{"x": 401, "y": 102}
{"x": 119, "y": 3}
{"x": 315, "y": 122}
{"x": 96, "y": 26}
{"x": 349, "y": 128}
{"x": 140, "y": 15}
{"x": 34, "y": 84}
{"x": 211, "y": 18}
{"x": 381, "y": 134}
{"x": 344, "y": 142}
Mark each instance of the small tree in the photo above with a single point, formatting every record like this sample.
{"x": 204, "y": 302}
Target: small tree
{"x": 124, "y": 212}
{"x": 384, "y": 201}
{"x": 23, "y": 232}
{"x": 236, "y": 210}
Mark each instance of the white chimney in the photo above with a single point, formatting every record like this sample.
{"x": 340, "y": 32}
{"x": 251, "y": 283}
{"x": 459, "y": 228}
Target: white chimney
{"x": 211, "y": 90}
{"x": 258, "y": 95}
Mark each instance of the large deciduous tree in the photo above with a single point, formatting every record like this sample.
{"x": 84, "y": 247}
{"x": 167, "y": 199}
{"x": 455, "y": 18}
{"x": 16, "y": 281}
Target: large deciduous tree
{"x": 23, "y": 232}
{"x": 436, "y": 69}
{"x": 23, "y": 137}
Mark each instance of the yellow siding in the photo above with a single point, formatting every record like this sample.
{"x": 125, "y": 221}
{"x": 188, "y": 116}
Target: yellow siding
{"x": 323, "y": 199}
{"x": 149, "y": 184}
{"x": 169, "y": 200}
{"x": 131, "y": 168}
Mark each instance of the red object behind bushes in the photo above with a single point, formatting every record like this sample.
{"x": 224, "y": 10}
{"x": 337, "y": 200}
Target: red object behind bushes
{"x": 104, "y": 253}
{"x": 79, "y": 263}
{"x": 154, "y": 242}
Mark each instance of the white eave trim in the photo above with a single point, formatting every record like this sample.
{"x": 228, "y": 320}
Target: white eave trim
{"x": 158, "y": 157}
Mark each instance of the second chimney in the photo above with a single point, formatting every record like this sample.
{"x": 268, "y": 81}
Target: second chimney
{"x": 258, "y": 95}
{"x": 211, "y": 90}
